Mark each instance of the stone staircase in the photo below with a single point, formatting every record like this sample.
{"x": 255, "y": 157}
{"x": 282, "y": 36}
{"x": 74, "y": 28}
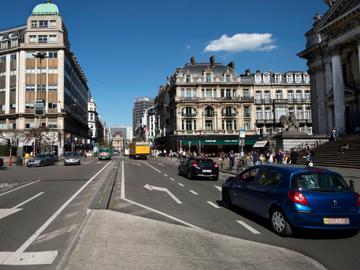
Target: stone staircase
{"x": 329, "y": 155}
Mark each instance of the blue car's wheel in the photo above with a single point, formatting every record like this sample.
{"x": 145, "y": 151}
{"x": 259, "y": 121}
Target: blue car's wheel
{"x": 279, "y": 223}
{"x": 226, "y": 197}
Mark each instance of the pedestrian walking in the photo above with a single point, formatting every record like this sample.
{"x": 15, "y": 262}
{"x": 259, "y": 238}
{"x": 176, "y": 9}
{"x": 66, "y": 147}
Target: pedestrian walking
{"x": 293, "y": 156}
{"x": 231, "y": 160}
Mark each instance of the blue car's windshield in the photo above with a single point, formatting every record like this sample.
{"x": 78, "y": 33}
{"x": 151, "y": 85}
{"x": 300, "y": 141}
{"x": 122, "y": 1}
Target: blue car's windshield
{"x": 323, "y": 182}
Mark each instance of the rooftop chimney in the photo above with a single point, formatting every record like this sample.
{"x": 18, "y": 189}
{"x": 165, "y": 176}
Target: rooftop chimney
{"x": 192, "y": 60}
{"x": 231, "y": 65}
{"x": 212, "y": 60}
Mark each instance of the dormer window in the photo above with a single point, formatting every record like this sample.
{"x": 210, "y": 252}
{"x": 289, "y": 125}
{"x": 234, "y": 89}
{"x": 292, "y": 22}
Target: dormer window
{"x": 208, "y": 77}
{"x": 228, "y": 78}
{"x": 297, "y": 78}
{"x": 277, "y": 78}
{"x": 306, "y": 78}
{"x": 289, "y": 78}
{"x": 258, "y": 78}
{"x": 266, "y": 78}
{"x": 188, "y": 78}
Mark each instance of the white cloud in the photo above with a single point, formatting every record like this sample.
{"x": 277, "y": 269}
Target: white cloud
{"x": 242, "y": 42}
{"x": 187, "y": 46}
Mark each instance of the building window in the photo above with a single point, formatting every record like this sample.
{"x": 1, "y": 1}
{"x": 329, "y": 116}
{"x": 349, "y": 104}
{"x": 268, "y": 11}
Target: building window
{"x": 2, "y": 59}
{"x": 29, "y": 106}
{"x": 32, "y": 39}
{"x": 290, "y": 96}
{"x": 289, "y": 78}
{"x": 30, "y": 87}
{"x": 246, "y": 111}
{"x": 12, "y": 106}
{"x": 34, "y": 24}
{"x": 52, "y": 87}
{"x": 297, "y": 78}
{"x": 27, "y": 125}
{"x": 228, "y": 78}
{"x": 277, "y": 78}
{"x": 308, "y": 113}
{"x": 267, "y": 97}
{"x": 279, "y": 94}
{"x": 52, "y": 39}
{"x": 209, "y": 112}
{"x": 268, "y": 115}
{"x": 52, "y": 55}
{"x": 229, "y": 111}
{"x": 209, "y": 93}
{"x": 307, "y": 95}
{"x": 259, "y": 113}
{"x": 13, "y": 57}
{"x": 52, "y": 105}
{"x": 247, "y": 125}
{"x": 41, "y": 87}
{"x": 52, "y": 24}
{"x": 298, "y": 96}
{"x": 209, "y": 125}
{"x": 229, "y": 124}
{"x": 246, "y": 94}
{"x": 189, "y": 112}
{"x": 43, "y": 24}
{"x": 188, "y": 78}
{"x": 43, "y": 39}
{"x": 188, "y": 124}
{"x": 2, "y": 107}
{"x": 52, "y": 125}
{"x": 208, "y": 77}
{"x": 299, "y": 113}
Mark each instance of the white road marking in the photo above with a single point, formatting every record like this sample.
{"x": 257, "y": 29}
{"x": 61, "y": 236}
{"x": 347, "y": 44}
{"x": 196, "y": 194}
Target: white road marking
{"x": 122, "y": 192}
{"x": 153, "y": 167}
{"x": 213, "y": 204}
{"x": 218, "y": 188}
{"x": 172, "y": 179}
{"x": 165, "y": 175}
{"x": 19, "y": 257}
{"x": 28, "y": 184}
{"x": 9, "y": 211}
{"x": 98, "y": 162}
{"x": 54, "y": 234}
{"x": 161, "y": 164}
{"x": 193, "y": 192}
{"x": 247, "y": 226}
{"x": 165, "y": 215}
{"x": 6, "y": 186}
{"x": 151, "y": 188}
{"x": 181, "y": 184}
{"x": 28, "y": 200}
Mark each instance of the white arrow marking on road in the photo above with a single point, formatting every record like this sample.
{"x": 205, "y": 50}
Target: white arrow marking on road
{"x": 9, "y": 211}
{"x": 151, "y": 188}
{"x": 218, "y": 187}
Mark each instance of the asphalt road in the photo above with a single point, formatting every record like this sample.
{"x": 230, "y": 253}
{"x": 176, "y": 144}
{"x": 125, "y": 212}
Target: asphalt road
{"x": 153, "y": 189}
{"x": 42, "y": 209}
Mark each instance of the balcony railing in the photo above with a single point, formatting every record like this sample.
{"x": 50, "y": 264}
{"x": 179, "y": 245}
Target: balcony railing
{"x": 228, "y": 114}
{"x": 247, "y": 98}
{"x": 247, "y": 115}
{"x": 188, "y": 115}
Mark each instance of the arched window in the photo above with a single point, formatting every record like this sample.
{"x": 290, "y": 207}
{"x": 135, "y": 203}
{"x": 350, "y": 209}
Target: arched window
{"x": 209, "y": 111}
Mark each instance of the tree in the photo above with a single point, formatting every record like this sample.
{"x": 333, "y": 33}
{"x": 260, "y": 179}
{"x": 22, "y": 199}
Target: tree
{"x": 38, "y": 135}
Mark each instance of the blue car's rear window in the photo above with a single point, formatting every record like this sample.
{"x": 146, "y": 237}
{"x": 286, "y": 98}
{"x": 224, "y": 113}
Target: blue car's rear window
{"x": 323, "y": 182}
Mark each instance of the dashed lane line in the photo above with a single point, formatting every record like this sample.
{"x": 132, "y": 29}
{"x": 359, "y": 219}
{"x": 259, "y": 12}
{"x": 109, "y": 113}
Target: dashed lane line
{"x": 172, "y": 179}
{"x": 165, "y": 175}
{"x": 193, "y": 192}
{"x": 248, "y": 227}
{"x": 218, "y": 188}
{"x": 213, "y": 204}
{"x": 152, "y": 167}
{"x": 180, "y": 184}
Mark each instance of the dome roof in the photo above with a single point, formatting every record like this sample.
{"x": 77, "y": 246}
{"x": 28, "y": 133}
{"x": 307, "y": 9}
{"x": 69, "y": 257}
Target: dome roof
{"x": 46, "y": 9}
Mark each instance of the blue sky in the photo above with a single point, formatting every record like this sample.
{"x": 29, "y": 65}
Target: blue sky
{"x": 127, "y": 48}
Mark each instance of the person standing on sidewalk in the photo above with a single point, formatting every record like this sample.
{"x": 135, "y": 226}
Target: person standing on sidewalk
{"x": 293, "y": 156}
{"x": 231, "y": 160}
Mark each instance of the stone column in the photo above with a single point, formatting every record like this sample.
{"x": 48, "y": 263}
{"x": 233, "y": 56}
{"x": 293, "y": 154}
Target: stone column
{"x": 338, "y": 86}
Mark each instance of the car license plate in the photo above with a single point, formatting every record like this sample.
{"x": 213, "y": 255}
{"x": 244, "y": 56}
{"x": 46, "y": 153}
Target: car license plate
{"x": 206, "y": 171}
{"x": 336, "y": 221}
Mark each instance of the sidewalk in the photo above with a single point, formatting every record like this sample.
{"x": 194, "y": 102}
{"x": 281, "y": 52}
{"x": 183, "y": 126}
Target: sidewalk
{"x": 112, "y": 240}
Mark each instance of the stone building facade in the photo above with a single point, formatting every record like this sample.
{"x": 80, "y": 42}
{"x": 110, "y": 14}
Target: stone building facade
{"x": 203, "y": 106}
{"x": 333, "y": 54}
{"x": 38, "y": 70}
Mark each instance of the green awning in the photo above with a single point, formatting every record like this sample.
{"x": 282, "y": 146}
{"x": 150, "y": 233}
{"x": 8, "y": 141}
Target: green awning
{"x": 217, "y": 142}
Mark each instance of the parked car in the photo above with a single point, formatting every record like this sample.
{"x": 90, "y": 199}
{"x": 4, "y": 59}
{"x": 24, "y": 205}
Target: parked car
{"x": 194, "y": 167}
{"x": 72, "y": 158}
{"x": 40, "y": 160}
{"x": 116, "y": 153}
{"x": 292, "y": 197}
{"x": 104, "y": 153}
{"x": 1, "y": 163}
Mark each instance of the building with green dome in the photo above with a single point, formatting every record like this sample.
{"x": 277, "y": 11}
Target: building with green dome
{"x": 42, "y": 83}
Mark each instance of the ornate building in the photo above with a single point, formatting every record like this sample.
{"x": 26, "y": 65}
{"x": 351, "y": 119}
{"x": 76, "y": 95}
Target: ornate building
{"x": 41, "y": 82}
{"x": 333, "y": 54}
{"x": 204, "y": 105}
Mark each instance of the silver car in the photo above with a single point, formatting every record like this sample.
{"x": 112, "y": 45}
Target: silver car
{"x": 72, "y": 158}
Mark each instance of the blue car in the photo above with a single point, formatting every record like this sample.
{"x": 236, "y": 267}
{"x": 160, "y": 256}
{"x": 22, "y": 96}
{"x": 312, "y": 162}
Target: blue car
{"x": 293, "y": 197}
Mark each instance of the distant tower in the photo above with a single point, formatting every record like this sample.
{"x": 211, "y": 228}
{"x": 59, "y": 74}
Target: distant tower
{"x": 140, "y": 105}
